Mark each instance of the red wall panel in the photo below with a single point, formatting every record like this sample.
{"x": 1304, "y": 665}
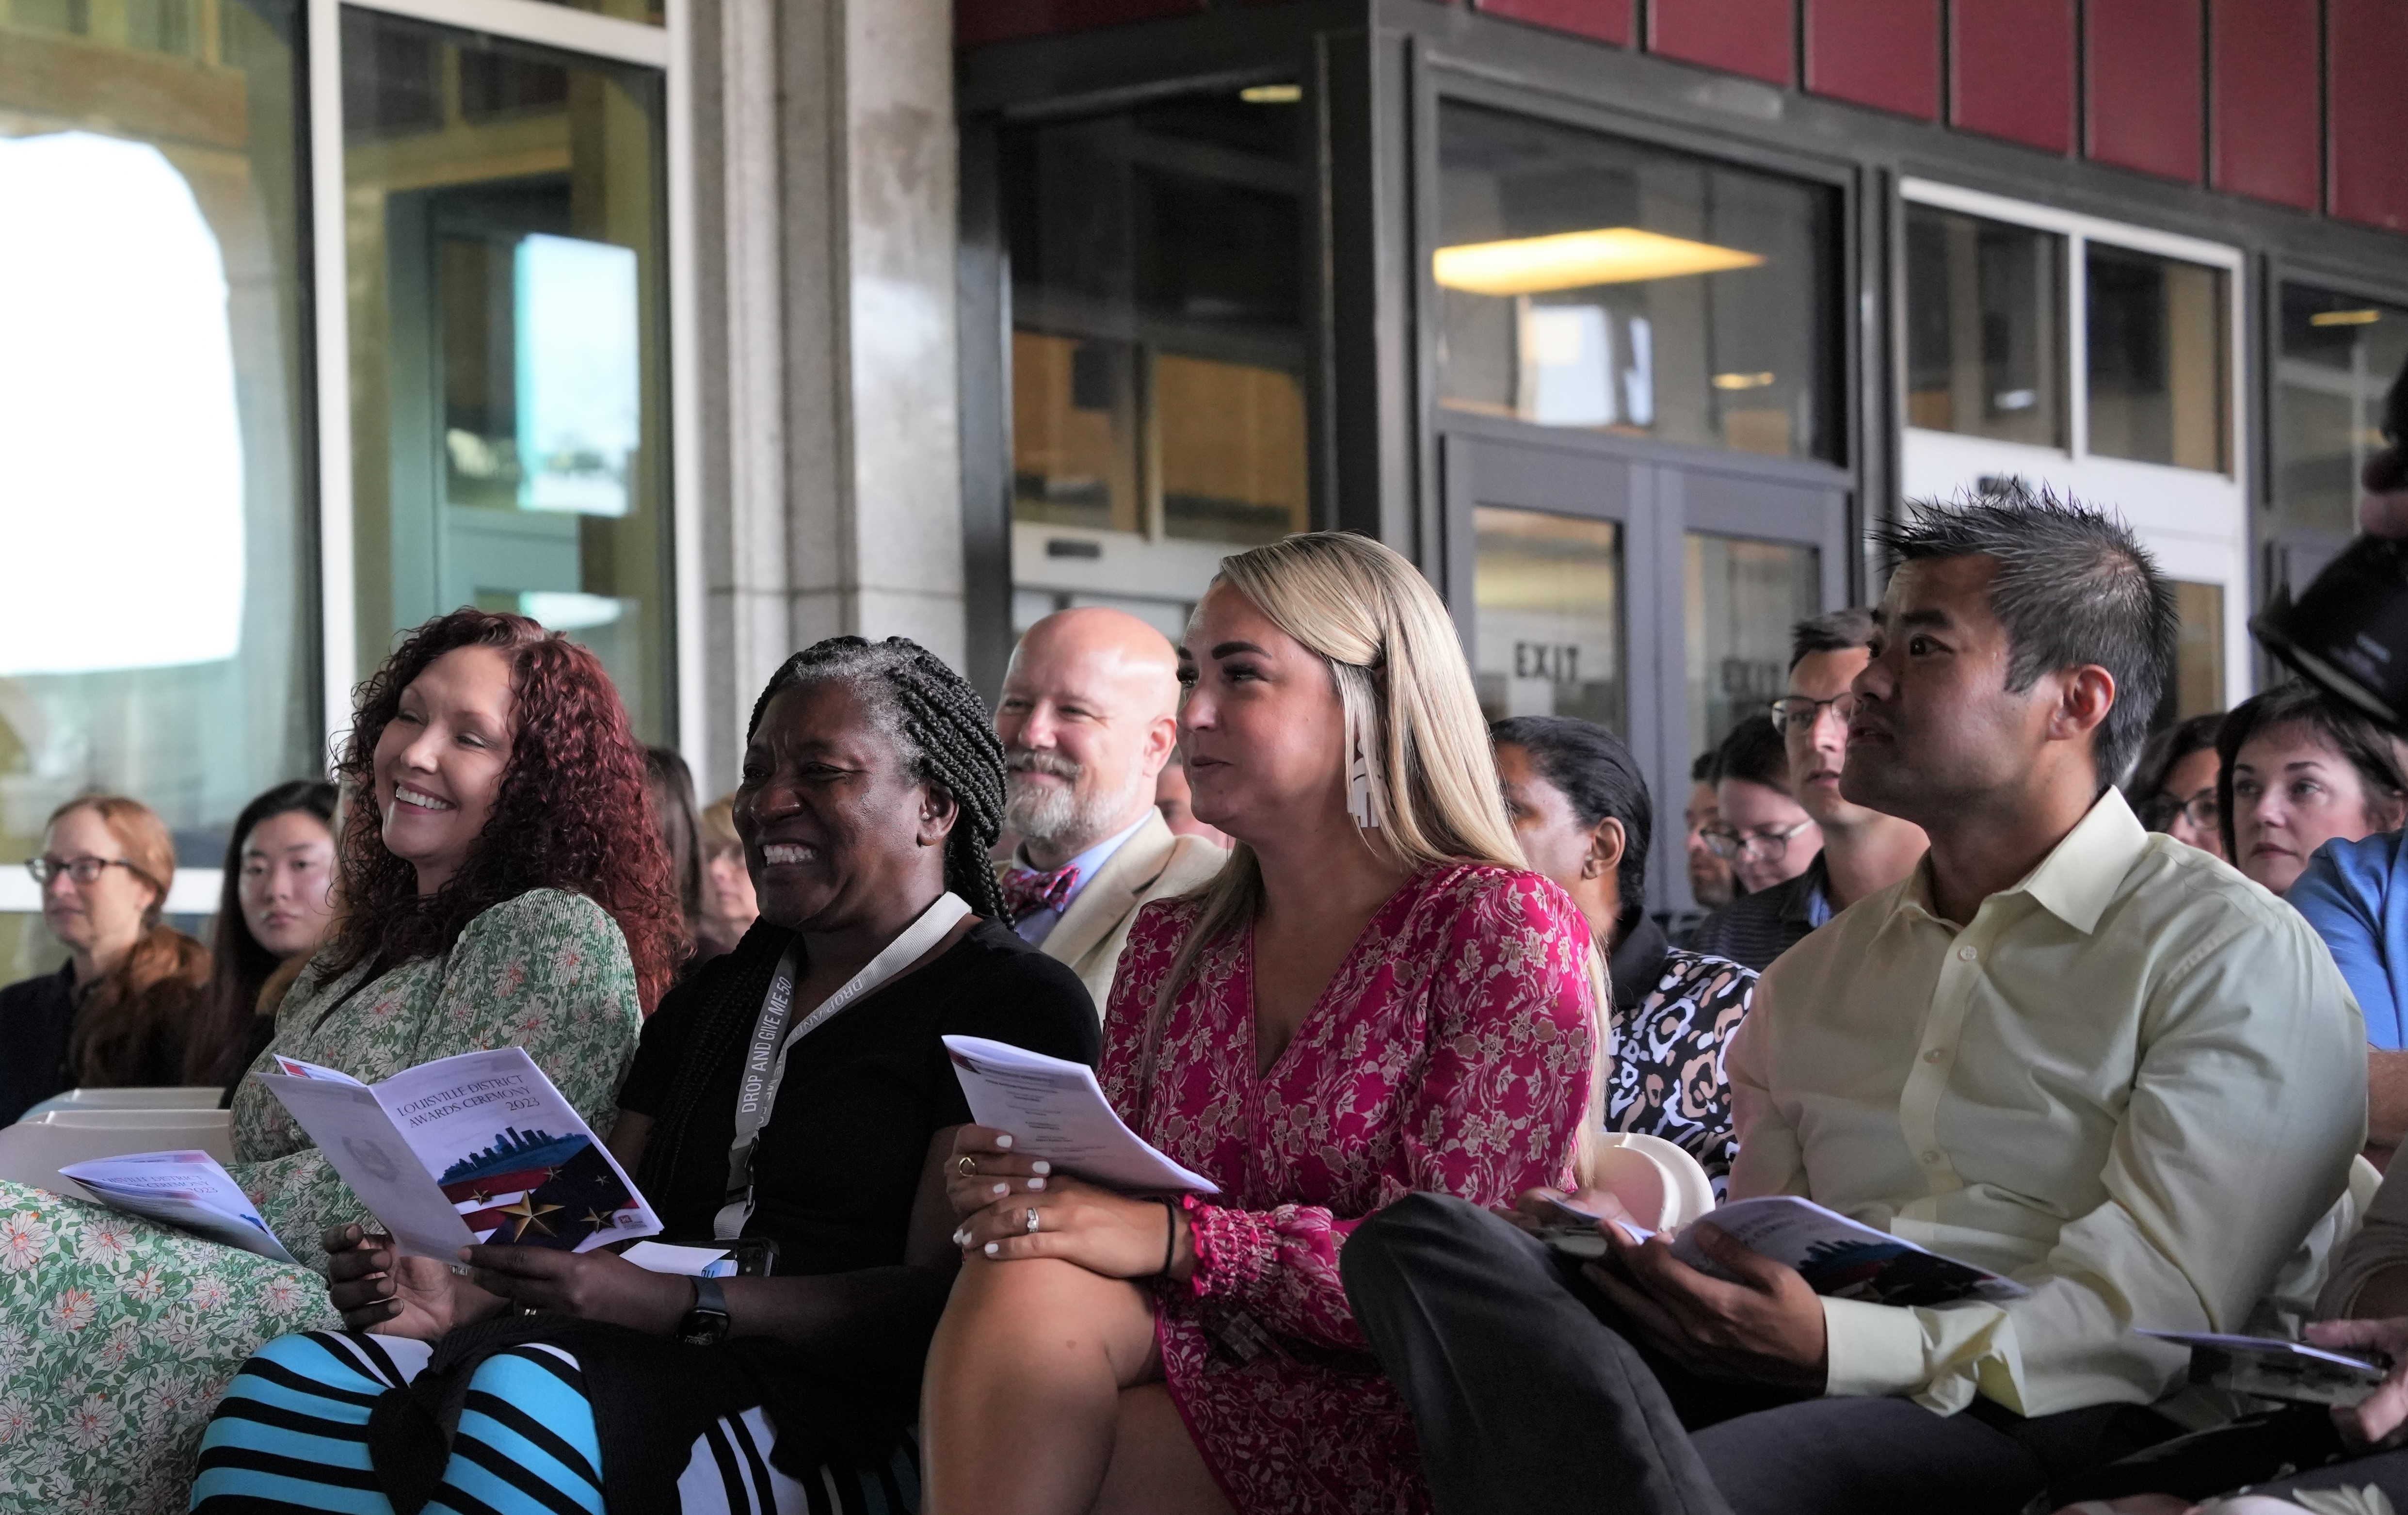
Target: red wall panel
{"x": 1608, "y": 20}
{"x": 2144, "y": 61}
{"x": 1755, "y": 38}
{"x": 2366, "y": 45}
{"x": 2010, "y": 70}
{"x": 1884, "y": 54}
{"x": 2262, "y": 112}
{"x": 977, "y": 21}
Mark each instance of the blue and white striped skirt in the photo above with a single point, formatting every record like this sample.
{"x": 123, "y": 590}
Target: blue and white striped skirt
{"x": 291, "y": 1436}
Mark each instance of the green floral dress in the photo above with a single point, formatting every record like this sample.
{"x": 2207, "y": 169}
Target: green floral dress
{"x": 117, "y": 1335}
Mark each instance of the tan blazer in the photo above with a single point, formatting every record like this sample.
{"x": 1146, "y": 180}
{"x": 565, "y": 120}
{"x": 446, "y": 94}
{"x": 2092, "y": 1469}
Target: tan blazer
{"x": 1155, "y": 863}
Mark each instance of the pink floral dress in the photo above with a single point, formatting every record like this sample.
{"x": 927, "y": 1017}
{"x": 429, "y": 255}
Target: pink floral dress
{"x": 1450, "y": 1053}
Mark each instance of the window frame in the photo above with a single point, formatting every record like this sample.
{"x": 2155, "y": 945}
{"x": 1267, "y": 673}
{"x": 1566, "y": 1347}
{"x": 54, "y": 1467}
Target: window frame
{"x": 2162, "y": 501}
{"x": 326, "y": 362}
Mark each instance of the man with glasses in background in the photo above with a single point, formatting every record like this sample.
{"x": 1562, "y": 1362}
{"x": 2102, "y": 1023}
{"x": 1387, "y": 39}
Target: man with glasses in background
{"x": 1863, "y": 851}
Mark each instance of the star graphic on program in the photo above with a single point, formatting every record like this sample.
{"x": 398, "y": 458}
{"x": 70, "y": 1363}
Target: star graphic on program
{"x": 529, "y": 1216}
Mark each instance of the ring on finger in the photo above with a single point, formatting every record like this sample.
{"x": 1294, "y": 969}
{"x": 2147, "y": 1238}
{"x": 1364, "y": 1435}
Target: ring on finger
{"x": 967, "y": 1164}
{"x": 1032, "y": 1220}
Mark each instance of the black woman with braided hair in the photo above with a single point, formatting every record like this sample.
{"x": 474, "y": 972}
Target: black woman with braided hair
{"x": 792, "y": 1102}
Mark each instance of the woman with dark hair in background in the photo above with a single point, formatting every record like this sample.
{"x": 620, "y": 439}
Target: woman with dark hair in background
{"x": 1580, "y": 809}
{"x": 671, "y": 785}
{"x": 2299, "y": 770}
{"x": 119, "y": 1013}
{"x": 2303, "y": 778}
{"x": 2173, "y": 785}
{"x": 274, "y": 904}
{"x": 501, "y": 887}
{"x": 729, "y": 906}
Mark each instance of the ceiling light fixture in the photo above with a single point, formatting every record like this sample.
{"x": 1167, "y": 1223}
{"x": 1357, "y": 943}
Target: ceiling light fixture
{"x": 1742, "y": 381}
{"x": 1271, "y": 94}
{"x": 2344, "y": 318}
{"x": 1577, "y": 260}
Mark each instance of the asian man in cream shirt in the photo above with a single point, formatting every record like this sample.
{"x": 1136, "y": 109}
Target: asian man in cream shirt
{"x": 1088, "y": 719}
{"x": 2062, "y": 1048}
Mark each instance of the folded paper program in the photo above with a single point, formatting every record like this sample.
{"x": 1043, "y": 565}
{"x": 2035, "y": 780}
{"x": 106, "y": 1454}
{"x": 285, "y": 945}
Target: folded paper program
{"x": 1054, "y": 1110}
{"x": 478, "y": 1147}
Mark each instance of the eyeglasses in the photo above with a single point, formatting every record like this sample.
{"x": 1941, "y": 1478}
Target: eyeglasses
{"x": 83, "y": 870}
{"x": 1757, "y": 846}
{"x": 1797, "y": 713}
{"x": 2201, "y": 810}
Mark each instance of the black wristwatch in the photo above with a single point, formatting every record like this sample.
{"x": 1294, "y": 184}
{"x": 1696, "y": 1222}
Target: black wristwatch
{"x": 706, "y": 1325}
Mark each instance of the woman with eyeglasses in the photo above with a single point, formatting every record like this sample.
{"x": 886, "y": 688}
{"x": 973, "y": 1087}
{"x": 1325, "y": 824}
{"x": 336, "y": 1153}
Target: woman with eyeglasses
{"x": 1771, "y": 842}
{"x": 2173, "y": 785}
{"x": 119, "y": 1012}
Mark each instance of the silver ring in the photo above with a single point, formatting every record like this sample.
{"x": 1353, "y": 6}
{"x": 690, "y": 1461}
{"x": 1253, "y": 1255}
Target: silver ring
{"x": 1032, "y": 1220}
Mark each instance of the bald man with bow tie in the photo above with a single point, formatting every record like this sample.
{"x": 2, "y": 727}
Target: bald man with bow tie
{"x": 1088, "y": 721}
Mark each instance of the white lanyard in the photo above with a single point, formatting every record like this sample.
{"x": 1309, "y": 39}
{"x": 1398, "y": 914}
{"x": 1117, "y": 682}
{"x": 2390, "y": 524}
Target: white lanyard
{"x": 765, "y": 1059}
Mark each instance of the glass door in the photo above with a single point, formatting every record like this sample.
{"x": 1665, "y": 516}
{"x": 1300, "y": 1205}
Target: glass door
{"x": 505, "y": 233}
{"x": 1652, "y": 596}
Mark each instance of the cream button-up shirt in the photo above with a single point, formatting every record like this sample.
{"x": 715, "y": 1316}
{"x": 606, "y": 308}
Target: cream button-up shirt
{"x": 2134, "y": 1082}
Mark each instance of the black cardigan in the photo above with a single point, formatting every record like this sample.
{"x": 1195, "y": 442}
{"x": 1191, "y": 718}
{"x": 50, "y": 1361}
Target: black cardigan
{"x": 35, "y": 1017}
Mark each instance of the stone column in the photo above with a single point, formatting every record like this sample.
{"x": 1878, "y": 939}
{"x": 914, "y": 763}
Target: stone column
{"x": 826, "y": 244}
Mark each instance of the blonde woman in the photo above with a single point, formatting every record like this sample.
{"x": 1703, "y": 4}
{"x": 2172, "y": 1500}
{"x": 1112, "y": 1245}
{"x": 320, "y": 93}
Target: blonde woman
{"x": 1371, "y": 999}
{"x": 729, "y": 907}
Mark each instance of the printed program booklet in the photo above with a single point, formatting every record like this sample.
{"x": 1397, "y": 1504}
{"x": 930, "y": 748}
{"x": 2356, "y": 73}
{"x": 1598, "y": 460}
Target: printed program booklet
{"x": 1836, "y": 1256}
{"x": 183, "y": 1189}
{"x": 478, "y": 1147}
{"x": 2268, "y": 1368}
{"x": 1054, "y": 1110}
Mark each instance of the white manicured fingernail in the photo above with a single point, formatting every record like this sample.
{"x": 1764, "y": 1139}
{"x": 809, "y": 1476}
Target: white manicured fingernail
{"x": 1040, "y": 1167}
{"x": 1035, "y": 1184}
{"x": 1001, "y": 1190}
{"x": 994, "y": 1248}
{"x": 1003, "y": 1143}
{"x": 961, "y": 1238}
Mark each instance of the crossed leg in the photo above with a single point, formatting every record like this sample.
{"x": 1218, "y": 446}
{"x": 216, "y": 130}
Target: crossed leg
{"x": 1044, "y": 1397}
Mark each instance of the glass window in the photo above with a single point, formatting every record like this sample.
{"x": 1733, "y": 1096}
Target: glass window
{"x": 1985, "y": 327}
{"x": 1589, "y": 281}
{"x": 2340, "y": 356}
{"x": 1547, "y": 597}
{"x": 158, "y": 603}
{"x": 1157, "y": 350}
{"x": 1742, "y": 597}
{"x": 506, "y": 216}
{"x": 2159, "y": 376}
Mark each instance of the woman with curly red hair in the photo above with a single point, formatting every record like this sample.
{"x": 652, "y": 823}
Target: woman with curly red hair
{"x": 503, "y": 886}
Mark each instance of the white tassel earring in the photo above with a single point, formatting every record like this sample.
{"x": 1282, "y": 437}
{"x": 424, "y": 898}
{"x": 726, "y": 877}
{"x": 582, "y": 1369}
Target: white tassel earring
{"x": 1366, "y": 790}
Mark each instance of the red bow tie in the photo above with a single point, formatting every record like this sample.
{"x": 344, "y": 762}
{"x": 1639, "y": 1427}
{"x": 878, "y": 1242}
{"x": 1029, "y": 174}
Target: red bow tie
{"x": 1026, "y": 890}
